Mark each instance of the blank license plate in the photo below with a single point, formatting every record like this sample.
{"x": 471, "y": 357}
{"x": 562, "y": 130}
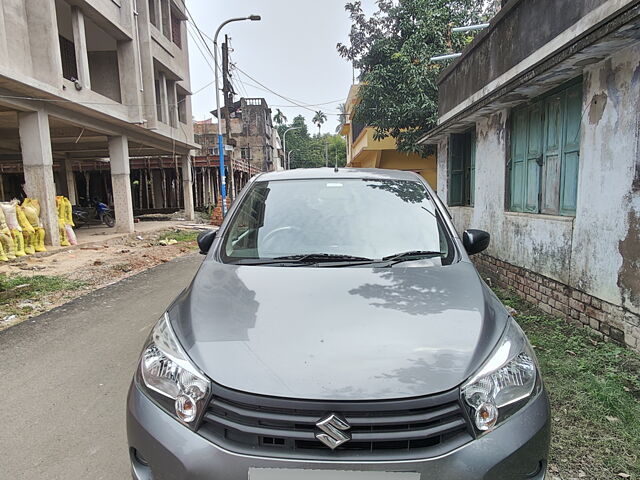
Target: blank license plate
{"x": 299, "y": 474}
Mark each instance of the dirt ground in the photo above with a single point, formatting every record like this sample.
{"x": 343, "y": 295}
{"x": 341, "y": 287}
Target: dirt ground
{"x": 91, "y": 266}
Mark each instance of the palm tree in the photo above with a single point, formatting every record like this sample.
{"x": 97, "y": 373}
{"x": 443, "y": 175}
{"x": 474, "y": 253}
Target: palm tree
{"x": 319, "y": 118}
{"x": 279, "y": 118}
{"x": 342, "y": 116}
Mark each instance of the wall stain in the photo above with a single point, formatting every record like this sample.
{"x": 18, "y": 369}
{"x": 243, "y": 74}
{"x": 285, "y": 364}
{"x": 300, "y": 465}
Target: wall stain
{"x": 596, "y": 109}
{"x": 635, "y": 185}
{"x": 628, "y": 275}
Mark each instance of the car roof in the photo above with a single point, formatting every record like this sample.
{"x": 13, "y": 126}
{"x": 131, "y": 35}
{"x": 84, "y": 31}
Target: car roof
{"x": 311, "y": 173}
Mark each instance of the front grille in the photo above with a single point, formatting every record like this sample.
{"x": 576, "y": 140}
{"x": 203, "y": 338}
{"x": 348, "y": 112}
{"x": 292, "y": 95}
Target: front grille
{"x": 398, "y": 429}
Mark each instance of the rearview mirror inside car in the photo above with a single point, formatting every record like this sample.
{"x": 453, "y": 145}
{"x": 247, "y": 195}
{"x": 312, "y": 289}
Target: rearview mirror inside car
{"x": 475, "y": 241}
{"x": 205, "y": 240}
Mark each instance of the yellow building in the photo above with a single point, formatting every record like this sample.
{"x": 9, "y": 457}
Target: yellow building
{"x": 363, "y": 151}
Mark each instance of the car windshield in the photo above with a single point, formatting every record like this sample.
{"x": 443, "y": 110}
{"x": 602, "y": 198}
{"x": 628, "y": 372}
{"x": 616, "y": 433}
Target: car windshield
{"x": 333, "y": 218}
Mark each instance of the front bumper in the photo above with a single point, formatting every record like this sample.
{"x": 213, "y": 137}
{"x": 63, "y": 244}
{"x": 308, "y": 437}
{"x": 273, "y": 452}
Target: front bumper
{"x": 515, "y": 450}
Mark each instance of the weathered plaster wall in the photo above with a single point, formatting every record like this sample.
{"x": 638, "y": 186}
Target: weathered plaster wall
{"x": 443, "y": 171}
{"x": 16, "y": 35}
{"x": 598, "y": 251}
{"x": 606, "y": 246}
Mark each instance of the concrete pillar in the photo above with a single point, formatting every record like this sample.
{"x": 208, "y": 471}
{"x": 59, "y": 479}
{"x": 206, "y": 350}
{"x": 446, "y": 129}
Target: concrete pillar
{"x": 164, "y": 97}
{"x": 187, "y": 187}
{"x": 121, "y": 184}
{"x": 72, "y": 194}
{"x": 80, "y": 43}
{"x": 37, "y": 161}
{"x": 129, "y": 69}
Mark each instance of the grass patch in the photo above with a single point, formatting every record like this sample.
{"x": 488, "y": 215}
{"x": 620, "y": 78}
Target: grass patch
{"x": 180, "y": 236}
{"x": 21, "y": 287}
{"x": 594, "y": 388}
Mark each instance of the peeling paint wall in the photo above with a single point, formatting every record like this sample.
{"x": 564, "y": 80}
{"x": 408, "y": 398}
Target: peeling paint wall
{"x": 443, "y": 171}
{"x": 598, "y": 251}
{"x": 606, "y": 252}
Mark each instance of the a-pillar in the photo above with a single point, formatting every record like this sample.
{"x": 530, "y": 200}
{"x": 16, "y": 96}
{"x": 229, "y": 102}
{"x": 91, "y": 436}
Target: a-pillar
{"x": 37, "y": 161}
{"x": 187, "y": 187}
{"x": 121, "y": 183}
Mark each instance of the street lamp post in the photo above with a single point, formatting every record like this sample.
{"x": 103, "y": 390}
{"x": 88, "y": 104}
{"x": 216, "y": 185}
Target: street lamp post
{"x": 223, "y": 182}
{"x": 284, "y": 140}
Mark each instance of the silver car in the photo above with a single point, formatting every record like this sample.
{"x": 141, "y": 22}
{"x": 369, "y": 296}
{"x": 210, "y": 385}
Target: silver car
{"x": 337, "y": 330}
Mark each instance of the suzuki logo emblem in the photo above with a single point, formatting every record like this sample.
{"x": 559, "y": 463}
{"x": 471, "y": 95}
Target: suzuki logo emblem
{"x": 334, "y": 431}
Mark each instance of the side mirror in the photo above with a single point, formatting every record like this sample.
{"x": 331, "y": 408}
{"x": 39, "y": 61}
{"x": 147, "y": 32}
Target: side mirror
{"x": 205, "y": 240}
{"x": 475, "y": 241}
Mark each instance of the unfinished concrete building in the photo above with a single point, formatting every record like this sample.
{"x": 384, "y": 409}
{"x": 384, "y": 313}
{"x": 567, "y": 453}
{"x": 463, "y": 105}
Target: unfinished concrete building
{"x": 252, "y": 134}
{"x": 89, "y": 90}
{"x": 539, "y": 144}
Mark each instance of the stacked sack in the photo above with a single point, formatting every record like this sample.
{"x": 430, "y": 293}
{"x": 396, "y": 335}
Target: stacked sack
{"x": 31, "y": 210}
{"x": 21, "y": 231}
{"x": 11, "y": 218}
{"x": 65, "y": 221}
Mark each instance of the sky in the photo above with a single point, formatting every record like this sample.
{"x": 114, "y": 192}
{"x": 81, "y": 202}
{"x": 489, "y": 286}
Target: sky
{"x": 292, "y": 51}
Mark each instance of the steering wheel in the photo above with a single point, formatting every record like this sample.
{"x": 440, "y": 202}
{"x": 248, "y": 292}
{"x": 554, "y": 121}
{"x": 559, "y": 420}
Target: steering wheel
{"x": 273, "y": 232}
{"x": 269, "y": 237}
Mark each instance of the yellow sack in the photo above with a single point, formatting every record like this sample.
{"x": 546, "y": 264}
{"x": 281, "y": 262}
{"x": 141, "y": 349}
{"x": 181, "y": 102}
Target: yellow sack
{"x": 8, "y": 245}
{"x": 64, "y": 241}
{"x": 40, "y": 236}
{"x": 68, "y": 212}
{"x": 31, "y": 209}
{"x": 18, "y": 241}
{"x": 28, "y": 232}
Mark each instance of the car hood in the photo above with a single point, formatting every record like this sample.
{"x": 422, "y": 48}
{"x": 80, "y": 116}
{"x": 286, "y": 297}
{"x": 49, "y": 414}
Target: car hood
{"x": 338, "y": 333}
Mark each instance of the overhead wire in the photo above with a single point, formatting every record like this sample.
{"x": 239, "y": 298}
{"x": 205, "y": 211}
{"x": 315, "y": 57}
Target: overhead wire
{"x": 294, "y": 103}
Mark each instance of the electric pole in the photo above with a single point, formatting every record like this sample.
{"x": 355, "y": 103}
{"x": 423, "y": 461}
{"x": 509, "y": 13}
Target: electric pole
{"x": 228, "y": 94}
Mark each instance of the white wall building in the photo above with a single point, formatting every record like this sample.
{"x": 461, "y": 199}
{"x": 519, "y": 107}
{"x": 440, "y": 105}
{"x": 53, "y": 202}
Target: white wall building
{"x": 538, "y": 143}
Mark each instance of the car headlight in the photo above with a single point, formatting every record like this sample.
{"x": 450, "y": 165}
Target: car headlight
{"x": 504, "y": 382}
{"x": 170, "y": 378}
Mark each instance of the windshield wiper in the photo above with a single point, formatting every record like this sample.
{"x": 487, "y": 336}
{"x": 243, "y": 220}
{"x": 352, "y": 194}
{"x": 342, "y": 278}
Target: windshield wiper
{"x": 411, "y": 255}
{"x": 304, "y": 259}
{"x": 323, "y": 257}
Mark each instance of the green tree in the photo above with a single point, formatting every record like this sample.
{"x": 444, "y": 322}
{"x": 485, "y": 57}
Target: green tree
{"x": 308, "y": 151}
{"x": 279, "y": 118}
{"x": 318, "y": 119}
{"x": 392, "y": 49}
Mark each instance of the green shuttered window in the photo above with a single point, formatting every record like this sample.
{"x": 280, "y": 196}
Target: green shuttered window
{"x": 545, "y": 152}
{"x": 462, "y": 168}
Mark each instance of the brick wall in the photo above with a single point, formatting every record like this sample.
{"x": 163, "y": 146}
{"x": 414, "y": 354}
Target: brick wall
{"x": 610, "y": 322}
{"x": 216, "y": 216}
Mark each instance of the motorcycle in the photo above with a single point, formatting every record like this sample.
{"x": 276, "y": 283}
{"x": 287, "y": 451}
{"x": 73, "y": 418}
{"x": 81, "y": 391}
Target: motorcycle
{"x": 96, "y": 214}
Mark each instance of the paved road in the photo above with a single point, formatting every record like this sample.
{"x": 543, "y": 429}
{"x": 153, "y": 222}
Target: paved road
{"x": 64, "y": 378}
